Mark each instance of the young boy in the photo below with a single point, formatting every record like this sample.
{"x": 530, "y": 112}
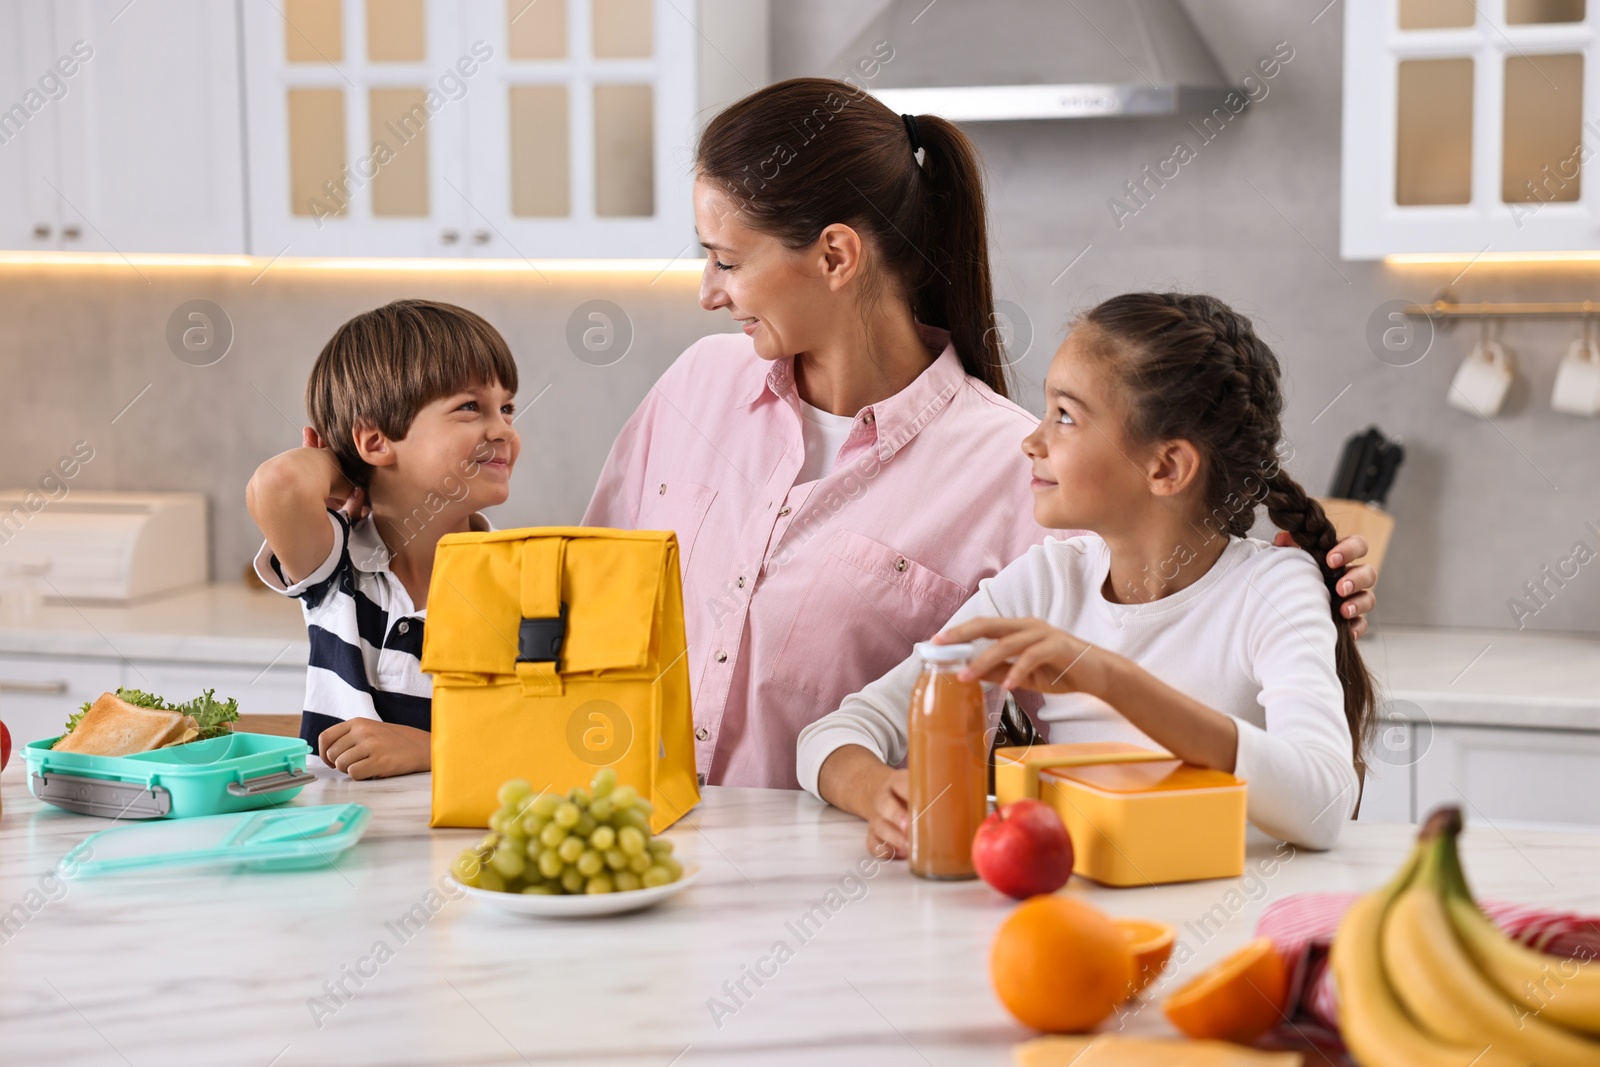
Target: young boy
{"x": 411, "y": 406}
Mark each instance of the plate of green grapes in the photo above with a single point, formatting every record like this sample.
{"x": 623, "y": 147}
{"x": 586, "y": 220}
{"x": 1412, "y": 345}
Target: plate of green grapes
{"x": 571, "y": 855}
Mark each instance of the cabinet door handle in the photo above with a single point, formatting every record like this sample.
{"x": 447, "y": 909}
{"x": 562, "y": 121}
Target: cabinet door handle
{"x": 41, "y": 688}
{"x": 41, "y": 231}
{"x": 480, "y": 237}
{"x": 449, "y": 237}
{"x": 71, "y": 233}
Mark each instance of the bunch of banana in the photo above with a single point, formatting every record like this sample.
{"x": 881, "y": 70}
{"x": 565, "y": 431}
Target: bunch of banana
{"x": 1427, "y": 980}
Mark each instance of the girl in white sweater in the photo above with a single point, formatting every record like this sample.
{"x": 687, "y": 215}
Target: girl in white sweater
{"x": 1167, "y": 626}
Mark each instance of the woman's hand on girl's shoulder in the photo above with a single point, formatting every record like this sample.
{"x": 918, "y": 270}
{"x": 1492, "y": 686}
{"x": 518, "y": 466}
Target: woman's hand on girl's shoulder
{"x": 1357, "y": 582}
{"x": 1029, "y": 654}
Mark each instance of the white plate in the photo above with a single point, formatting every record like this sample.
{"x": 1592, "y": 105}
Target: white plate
{"x": 581, "y": 905}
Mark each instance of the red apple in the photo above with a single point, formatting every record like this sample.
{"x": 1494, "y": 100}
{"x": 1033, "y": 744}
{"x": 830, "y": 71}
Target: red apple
{"x": 1023, "y": 850}
{"x": 5, "y": 746}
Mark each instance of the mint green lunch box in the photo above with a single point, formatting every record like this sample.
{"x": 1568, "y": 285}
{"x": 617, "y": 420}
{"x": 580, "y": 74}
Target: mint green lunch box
{"x": 234, "y": 772}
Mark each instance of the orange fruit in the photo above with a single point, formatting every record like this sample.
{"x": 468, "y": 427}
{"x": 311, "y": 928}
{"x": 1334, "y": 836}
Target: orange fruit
{"x": 1060, "y": 965}
{"x": 1151, "y": 943}
{"x": 1237, "y": 1000}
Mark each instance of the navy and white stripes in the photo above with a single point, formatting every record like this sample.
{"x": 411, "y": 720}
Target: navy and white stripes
{"x": 366, "y": 638}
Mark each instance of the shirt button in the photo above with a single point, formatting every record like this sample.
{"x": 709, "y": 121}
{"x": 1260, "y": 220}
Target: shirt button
{"x": 867, "y": 418}
{"x": 403, "y": 626}
{"x": 663, "y": 490}
{"x": 741, "y": 581}
{"x": 783, "y": 510}
{"x": 722, "y": 657}
{"x": 701, "y": 734}
{"x": 900, "y": 564}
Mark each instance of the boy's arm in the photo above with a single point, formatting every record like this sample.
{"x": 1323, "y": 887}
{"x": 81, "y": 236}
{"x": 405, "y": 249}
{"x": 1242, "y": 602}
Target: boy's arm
{"x": 288, "y": 496}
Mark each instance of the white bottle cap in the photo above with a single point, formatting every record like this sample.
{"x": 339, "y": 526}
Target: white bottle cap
{"x": 933, "y": 653}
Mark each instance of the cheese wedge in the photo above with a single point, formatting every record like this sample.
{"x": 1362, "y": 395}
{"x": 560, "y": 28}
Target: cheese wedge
{"x": 114, "y": 727}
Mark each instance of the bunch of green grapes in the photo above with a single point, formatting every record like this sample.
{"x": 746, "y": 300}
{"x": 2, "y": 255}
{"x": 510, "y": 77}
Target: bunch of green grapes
{"x": 584, "y": 842}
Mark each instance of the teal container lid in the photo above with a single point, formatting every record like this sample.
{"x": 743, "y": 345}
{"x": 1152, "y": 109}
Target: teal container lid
{"x": 281, "y": 839}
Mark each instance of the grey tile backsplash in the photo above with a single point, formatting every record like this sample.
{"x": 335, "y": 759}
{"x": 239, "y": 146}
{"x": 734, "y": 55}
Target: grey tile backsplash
{"x": 1481, "y": 507}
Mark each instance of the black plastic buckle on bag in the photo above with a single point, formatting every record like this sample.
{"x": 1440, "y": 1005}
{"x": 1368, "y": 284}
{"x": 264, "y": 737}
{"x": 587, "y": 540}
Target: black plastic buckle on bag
{"x": 539, "y": 640}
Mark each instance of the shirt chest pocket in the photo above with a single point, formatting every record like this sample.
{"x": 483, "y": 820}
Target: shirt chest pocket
{"x": 677, "y": 506}
{"x": 863, "y": 609}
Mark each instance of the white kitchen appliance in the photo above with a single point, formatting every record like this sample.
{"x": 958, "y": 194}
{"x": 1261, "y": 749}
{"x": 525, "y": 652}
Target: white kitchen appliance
{"x": 97, "y": 545}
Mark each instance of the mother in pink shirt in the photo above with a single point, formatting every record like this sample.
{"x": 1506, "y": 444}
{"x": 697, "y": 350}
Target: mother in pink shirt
{"x": 843, "y": 473}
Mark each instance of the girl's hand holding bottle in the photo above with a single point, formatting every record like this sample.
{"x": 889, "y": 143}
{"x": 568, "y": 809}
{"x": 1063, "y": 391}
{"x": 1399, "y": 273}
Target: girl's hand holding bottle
{"x": 1030, "y": 654}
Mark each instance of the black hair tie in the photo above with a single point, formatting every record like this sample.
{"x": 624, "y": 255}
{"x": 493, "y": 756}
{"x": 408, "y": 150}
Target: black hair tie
{"x": 911, "y": 129}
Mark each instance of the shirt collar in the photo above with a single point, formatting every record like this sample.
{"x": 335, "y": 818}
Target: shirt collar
{"x": 897, "y": 418}
{"x": 369, "y": 553}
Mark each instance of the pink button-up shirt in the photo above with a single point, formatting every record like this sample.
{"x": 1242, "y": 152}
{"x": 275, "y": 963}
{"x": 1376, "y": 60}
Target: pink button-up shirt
{"x": 797, "y": 595}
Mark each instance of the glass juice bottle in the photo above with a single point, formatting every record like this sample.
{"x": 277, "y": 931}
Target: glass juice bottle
{"x": 947, "y": 764}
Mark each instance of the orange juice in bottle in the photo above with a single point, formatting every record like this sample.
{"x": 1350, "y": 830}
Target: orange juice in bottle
{"x": 947, "y": 764}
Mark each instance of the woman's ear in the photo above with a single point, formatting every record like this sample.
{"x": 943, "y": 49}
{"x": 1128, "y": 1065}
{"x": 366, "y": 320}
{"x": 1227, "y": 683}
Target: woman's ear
{"x": 1174, "y": 467}
{"x": 372, "y": 445}
{"x": 838, "y": 250}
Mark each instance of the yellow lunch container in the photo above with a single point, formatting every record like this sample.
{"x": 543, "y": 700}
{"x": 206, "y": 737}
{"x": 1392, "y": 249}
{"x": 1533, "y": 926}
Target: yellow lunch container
{"x": 1137, "y": 816}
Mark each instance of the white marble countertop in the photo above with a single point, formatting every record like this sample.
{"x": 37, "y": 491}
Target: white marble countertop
{"x": 221, "y": 622}
{"x": 1489, "y": 677}
{"x": 223, "y": 968}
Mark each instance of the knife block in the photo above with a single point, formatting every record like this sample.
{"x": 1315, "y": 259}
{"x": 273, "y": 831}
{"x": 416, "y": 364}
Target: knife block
{"x": 1356, "y": 517}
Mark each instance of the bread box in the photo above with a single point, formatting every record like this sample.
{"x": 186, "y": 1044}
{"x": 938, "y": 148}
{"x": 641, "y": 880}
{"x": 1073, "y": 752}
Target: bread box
{"x": 95, "y": 545}
{"x": 1136, "y": 816}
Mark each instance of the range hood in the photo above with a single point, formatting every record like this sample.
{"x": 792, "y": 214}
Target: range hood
{"x": 991, "y": 60}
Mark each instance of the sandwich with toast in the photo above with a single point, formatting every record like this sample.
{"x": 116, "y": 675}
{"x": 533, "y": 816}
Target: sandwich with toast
{"x": 131, "y": 720}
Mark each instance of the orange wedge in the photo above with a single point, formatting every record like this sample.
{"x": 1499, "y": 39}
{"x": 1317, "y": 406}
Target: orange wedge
{"x": 1237, "y": 1000}
{"x": 1151, "y": 943}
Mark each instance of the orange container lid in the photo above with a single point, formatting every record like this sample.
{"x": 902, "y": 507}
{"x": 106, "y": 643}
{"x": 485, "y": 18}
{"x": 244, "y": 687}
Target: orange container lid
{"x": 1156, "y": 776}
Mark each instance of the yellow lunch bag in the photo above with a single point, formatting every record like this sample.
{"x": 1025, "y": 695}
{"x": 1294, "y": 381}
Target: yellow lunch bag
{"x": 556, "y": 651}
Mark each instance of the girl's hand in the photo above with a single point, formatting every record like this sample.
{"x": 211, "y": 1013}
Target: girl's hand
{"x": 342, "y": 495}
{"x": 1357, "y": 583}
{"x": 889, "y": 823}
{"x": 1028, "y": 654}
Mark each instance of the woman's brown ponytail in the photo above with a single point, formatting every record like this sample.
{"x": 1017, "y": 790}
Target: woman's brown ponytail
{"x": 800, "y": 155}
{"x": 1193, "y": 369}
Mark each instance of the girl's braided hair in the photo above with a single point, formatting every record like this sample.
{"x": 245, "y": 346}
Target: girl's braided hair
{"x": 1193, "y": 369}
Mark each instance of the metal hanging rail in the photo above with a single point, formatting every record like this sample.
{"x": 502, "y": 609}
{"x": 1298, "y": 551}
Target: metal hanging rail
{"x": 1449, "y": 309}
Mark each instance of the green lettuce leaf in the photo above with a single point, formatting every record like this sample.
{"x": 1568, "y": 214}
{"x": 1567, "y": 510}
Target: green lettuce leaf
{"x": 211, "y": 716}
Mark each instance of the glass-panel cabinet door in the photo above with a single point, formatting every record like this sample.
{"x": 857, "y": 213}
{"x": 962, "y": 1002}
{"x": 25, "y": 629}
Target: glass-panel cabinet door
{"x": 357, "y": 120}
{"x": 1468, "y": 127}
{"x": 583, "y": 129}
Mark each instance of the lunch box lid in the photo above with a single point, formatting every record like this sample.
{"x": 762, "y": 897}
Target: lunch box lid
{"x": 278, "y": 839}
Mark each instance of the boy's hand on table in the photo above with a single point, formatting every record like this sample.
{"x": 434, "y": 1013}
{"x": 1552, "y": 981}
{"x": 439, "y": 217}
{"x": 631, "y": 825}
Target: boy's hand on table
{"x": 1028, "y": 654}
{"x": 370, "y": 748}
{"x": 1357, "y": 582}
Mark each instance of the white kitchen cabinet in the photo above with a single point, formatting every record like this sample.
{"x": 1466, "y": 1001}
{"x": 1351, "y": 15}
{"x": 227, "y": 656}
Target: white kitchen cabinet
{"x": 37, "y": 693}
{"x": 121, "y": 127}
{"x": 497, "y": 128}
{"x": 1510, "y": 777}
{"x": 29, "y": 207}
{"x": 1386, "y": 792}
{"x": 1467, "y": 127}
{"x": 273, "y": 691}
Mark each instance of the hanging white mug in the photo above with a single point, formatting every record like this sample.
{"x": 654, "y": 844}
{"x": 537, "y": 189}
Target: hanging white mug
{"x": 1577, "y": 390}
{"x": 1481, "y": 384}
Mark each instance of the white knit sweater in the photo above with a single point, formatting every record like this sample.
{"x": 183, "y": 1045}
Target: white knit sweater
{"x": 1253, "y": 638}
